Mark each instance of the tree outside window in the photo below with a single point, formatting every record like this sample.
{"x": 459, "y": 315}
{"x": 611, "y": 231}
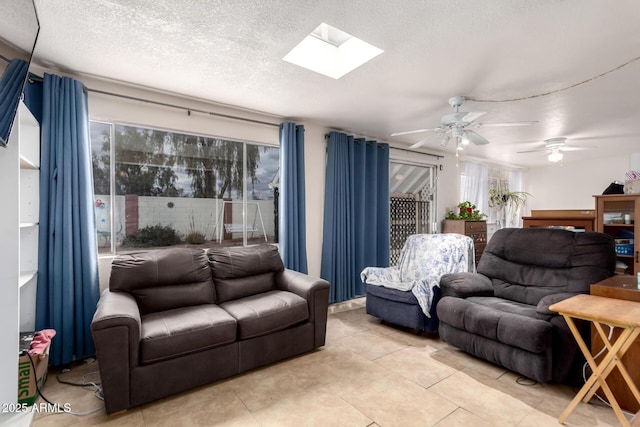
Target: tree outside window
{"x": 167, "y": 188}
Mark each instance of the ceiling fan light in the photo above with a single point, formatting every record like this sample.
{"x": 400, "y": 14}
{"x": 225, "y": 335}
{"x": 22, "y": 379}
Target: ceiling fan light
{"x": 555, "y": 156}
{"x": 445, "y": 141}
{"x": 464, "y": 139}
{"x": 459, "y": 146}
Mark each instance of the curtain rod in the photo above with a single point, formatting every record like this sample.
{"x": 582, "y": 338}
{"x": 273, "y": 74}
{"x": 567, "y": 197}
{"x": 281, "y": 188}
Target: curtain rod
{"x": 180, "y": 107}
{"x": 34, "y": 78}
{"x": 4, "y": 58}
{"x": 437, "y": 156}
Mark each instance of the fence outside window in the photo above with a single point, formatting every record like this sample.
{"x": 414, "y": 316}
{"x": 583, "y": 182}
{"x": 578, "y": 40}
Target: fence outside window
{"x": 156, "y": 188}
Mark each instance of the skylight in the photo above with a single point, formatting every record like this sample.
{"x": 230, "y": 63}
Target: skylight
{"x": 331, "y": 52}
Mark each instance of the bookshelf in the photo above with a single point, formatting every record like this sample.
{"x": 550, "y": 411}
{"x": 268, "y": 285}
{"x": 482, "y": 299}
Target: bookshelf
{"x": 19, "y": 211}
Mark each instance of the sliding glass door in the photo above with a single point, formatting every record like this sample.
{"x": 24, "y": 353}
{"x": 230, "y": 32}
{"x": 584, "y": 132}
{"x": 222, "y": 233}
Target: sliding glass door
{"x": 412, "y": 203}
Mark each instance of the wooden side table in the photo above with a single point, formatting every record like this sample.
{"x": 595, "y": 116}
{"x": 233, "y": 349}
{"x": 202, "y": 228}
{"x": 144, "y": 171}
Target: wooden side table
{"x": 598, "y": 311}
{"x": 623, "y": 288}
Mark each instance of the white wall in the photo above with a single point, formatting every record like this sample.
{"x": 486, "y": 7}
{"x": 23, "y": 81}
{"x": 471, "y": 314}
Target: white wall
{"x": 448, "y": 187}
{"x": 572, "y": 186}
{"x": 314, "y": 164}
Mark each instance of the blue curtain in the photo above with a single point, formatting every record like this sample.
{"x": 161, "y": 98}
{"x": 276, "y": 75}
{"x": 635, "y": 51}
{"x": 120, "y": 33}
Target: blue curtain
{"x": 356, "y": 213}
{"x": 68, "y": 286}
{"x": 10, "y": 88}
{"x": 291, "y": 221}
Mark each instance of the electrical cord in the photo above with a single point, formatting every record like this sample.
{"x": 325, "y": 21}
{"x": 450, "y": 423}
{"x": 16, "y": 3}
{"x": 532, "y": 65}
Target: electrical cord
{"x": 35, "y": 380}
{"x": 84, "y": 382}
{"x": 96, "y": 385}
{"x": 528, "y": 382}
{"x": 97, "y": 392}
{"x": 551, "y": 92}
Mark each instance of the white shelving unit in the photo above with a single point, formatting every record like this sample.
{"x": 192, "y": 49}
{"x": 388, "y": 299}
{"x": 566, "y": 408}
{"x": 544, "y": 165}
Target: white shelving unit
{"x": 19, "y": 213}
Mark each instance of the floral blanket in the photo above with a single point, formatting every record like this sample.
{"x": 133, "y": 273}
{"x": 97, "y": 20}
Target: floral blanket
{"x": 423, "y": 260}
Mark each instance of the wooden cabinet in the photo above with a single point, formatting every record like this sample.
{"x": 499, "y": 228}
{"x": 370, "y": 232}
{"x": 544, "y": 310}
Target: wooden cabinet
{"x": 624, "y": 288}
{"x": 573, "y": 219}
{"x": 19, "y": 211}
{"x": 477, "y": 230}
{"x": 619, "y": 216}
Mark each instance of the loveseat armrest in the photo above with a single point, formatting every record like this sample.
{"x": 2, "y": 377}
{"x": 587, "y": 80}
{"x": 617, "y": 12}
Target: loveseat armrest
{"x": 463, "y": 285}
{"x": 116, "y": 329}
{"x": 546, "y": 301}
{"x": 315, "y": 291}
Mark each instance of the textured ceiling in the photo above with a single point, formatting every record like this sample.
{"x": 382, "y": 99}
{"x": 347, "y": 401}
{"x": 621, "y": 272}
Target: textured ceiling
{"x": 231, "y": 52}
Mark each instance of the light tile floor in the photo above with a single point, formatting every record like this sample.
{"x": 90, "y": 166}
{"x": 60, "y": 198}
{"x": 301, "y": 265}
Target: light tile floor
{"x": 368, "y": 374}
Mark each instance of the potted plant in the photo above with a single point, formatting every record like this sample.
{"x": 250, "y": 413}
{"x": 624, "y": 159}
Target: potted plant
{"x": 511, "y": 200}
{"x": 467, "y": 211}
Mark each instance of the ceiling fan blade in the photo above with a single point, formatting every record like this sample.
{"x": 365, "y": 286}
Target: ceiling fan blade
{"x": 409, "y": 132}
{"x": 475, "y": 138}
{"x": 533, "y": 151}
{"x": 505, "y": 124}
{"x": 418, "y": 144}
{"x": 575, "y": 148}
{"x": 423, "y": 141}
{"x": 472, "y": 116}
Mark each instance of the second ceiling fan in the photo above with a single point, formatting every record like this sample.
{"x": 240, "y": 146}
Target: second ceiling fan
{"x": 458, "y": 125}
{"x": 554, "y": 147}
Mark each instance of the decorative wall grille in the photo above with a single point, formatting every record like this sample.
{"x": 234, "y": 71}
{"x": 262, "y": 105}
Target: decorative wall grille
{"x": 408, "y": 216}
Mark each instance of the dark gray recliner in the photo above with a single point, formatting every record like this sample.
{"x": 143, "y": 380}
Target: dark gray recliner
{"x": 501, "y": 314}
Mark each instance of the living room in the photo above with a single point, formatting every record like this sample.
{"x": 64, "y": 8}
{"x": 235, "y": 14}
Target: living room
{"x": 138, "y": 62}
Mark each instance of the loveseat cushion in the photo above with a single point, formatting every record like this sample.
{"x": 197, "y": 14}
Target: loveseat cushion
{"x": 239, "y": 272}
{"x": 505, "y": 321}
{"x": 268, "y": 312}
{"x": 164, "y": 279}
{"x": 173, "y": 333}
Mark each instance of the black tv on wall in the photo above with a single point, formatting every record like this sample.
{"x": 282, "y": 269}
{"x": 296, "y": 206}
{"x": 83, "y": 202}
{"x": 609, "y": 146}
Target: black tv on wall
{"x": 19, "y": 28}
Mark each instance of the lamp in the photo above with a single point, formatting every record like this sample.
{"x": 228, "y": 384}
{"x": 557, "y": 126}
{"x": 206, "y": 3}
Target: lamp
{"x": 555, "y": 155}
{"x": 464, "y": 139}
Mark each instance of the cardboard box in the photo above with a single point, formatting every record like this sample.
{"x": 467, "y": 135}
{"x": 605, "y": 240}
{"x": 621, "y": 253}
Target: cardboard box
{"x": 27, "y": 392}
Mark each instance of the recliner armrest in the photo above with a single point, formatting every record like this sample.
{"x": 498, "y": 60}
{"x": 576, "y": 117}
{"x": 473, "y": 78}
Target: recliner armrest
{"x": 315, "y": 291}
{"x": 545, "y": 302}
{"x": 463, "y": 285}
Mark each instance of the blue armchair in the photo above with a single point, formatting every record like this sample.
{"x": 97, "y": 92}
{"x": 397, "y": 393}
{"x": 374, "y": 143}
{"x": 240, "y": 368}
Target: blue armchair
{"x": 407, "y": 294}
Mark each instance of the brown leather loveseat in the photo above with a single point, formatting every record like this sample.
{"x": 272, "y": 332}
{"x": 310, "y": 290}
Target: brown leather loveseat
{"x": 179, "y": 318}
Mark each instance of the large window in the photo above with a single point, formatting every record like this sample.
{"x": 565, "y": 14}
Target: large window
{"x": 412, "y": 205}
{"x": 155, "y": 188}
{"x": 476, "y": 182}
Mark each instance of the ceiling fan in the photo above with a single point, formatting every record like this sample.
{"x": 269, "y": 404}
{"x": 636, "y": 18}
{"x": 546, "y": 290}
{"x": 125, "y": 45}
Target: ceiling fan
{"x": 554, "y": 148}
{"x": 458, "y": 126}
